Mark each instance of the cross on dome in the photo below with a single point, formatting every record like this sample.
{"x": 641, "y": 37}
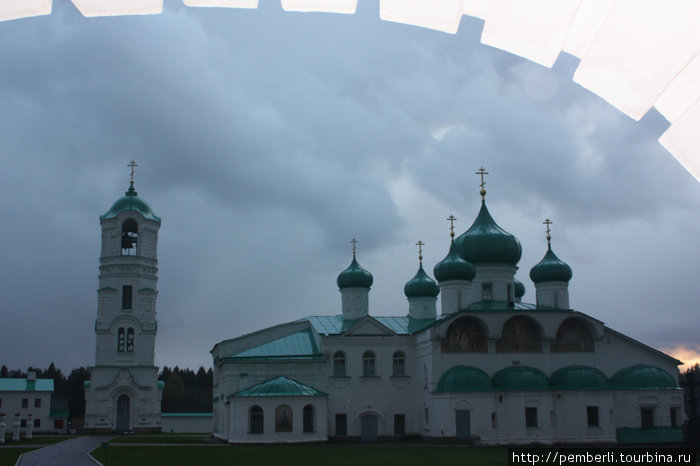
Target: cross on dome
{"x": 420, "y": 245}
{"x": 482, "y": 172}
{"x": 132, "y": 164}
{"x": 452, "y": 219}
{"x": 354, "y": 244}
{"x": 549, "y": 237}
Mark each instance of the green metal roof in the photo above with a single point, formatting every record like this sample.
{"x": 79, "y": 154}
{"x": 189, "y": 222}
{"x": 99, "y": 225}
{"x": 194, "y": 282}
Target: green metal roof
{"x": 297, "y": 345}
{"x": 130, "y": 201}
{"x": 421, "y": 285}
{"x": 453, "y": 267}
{"x": 401, "y": 325}
{"x": 506, "y": 306}
{"x": 23, "y": 385}
{"x": 354, "y": 276}
{"x": 281, "y": 386}
{"x": 59, "y": 413}
{"x": 579, "y": 378}
{"x": 464, "y": 379}
{"x": 649, "y": 435}
{"x": 520, "y": 378}
{"x": 485, "y": 241}
{"x": 642, "y": 377}
{"x": 550, "y": 269}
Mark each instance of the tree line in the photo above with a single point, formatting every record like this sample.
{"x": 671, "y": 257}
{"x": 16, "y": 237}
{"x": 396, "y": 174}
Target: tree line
{"x": 185, "y": 391}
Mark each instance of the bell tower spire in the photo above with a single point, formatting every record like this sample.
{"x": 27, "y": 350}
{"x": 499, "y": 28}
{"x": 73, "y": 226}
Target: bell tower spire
{"x": 123, "y": 393}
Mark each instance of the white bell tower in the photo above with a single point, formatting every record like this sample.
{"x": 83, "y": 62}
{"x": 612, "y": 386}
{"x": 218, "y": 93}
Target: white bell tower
{"x": 123, "y": 393}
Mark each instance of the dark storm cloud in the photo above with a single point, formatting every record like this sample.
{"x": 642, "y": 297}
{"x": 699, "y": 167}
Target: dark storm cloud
{"x": 267, "y": 140}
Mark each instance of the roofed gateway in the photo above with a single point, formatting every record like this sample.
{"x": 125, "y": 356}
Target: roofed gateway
{"x": 488, "y": 368}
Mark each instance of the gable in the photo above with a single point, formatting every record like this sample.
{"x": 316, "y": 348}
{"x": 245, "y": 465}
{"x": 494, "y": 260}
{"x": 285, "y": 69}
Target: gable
{"x": 369, "y": 326}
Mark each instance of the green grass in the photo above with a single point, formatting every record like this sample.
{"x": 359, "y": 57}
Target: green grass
{"x": 8, "y": 456}
{"x": 42, "y": 440}
{"x": 289, "y": 455}
{"x": 185, "y": 439}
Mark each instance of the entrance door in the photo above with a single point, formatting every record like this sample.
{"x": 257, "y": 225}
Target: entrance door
{"x": 463, "y": 423}
{"x": 123, "y": 413}
{"x": 368, "y": 425}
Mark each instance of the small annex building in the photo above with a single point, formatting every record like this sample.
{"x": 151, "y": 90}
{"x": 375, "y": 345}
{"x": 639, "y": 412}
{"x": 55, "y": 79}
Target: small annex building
{"x": 29, "y": 402}
{"x": 488, "y": 369}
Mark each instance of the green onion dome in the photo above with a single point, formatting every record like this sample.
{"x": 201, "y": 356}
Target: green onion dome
{"x": 421, "y": 285}
{"x": 518, "y": 288}
{"x": 485, "y": 241}
{"x": 130, "y": 201}
{"x": 354, "y": 276}
{"x": 453, "y": 267}
{"x": 550, "y": 269}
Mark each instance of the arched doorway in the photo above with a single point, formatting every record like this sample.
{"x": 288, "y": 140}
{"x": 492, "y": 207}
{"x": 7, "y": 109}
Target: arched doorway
{"x": 123, "y": 404}
{"x": 368, "y": 428}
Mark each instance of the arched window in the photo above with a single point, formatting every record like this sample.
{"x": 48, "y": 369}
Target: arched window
{"x": 308, "y": 414}
{"x": 398, "y": 364}
{"x": 573, "y": 336}
{"x": 121, "y": 340}
{"x": 130, "y": 340}
{"x": 369, "y": 364}
{"x": 339, "y": 364}
{"x": 255, "y": 420}
{"x": 283, "y": 419}
{"x": 130, "y": 237}
{"x": 465, "y": 335}
{"x": 520, "y": 335}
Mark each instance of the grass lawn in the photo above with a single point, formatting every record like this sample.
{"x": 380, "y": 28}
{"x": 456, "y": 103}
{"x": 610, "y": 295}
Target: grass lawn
{"x": 41, "y": 440}
{"x": 8, "y": 456}
{"x": 183, "y": 439}
{"x": 366, "y": 455}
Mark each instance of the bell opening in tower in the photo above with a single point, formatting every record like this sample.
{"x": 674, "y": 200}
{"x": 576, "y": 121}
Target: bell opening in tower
{"x": 130, "y": 237}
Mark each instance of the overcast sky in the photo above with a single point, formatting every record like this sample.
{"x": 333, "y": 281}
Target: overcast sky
{"x": 267, "y": 140}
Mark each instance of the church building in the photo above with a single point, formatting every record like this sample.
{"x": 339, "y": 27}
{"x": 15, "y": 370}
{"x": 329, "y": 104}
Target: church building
{"x": 487, "y": 369}
{"x": 123, "y": 392}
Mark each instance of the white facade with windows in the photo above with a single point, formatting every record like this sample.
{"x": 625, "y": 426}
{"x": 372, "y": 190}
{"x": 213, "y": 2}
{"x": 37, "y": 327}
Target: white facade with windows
{"x": 488, "y": 369}
{"x": 25, "y": 407}
{"x": 123, "y": 392}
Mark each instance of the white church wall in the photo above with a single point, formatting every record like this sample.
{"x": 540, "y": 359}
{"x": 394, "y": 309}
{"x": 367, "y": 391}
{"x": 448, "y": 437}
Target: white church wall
{"x": 629, "y": 405}
{"x": 240, "y": 430}
{"x": 572, "y": 421}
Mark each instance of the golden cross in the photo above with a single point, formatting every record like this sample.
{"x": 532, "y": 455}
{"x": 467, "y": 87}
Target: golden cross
{"x": 548, "y": 222}
{"x": 482, "y": 172}
{"x": 452, "y": 219}
{"x": 420, "y": 245}
{"x": 132, "y": 165}
{"x": 354, "y": 243}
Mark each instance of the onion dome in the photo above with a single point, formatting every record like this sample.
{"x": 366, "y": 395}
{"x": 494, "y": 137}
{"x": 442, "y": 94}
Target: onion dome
{"x": 485, "y": 241}
{"x": 421, "y": 285}
{"x": 518, "y": 288}
{"x": 130, "y": 201}
{"x": 354, "y": 276}
{"x": 453, "y": 267}
{"x": 550, "y": 269}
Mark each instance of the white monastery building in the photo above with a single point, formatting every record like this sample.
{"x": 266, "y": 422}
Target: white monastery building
{"x": 124, "y": 393}
{"x": 488, "y": 368}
